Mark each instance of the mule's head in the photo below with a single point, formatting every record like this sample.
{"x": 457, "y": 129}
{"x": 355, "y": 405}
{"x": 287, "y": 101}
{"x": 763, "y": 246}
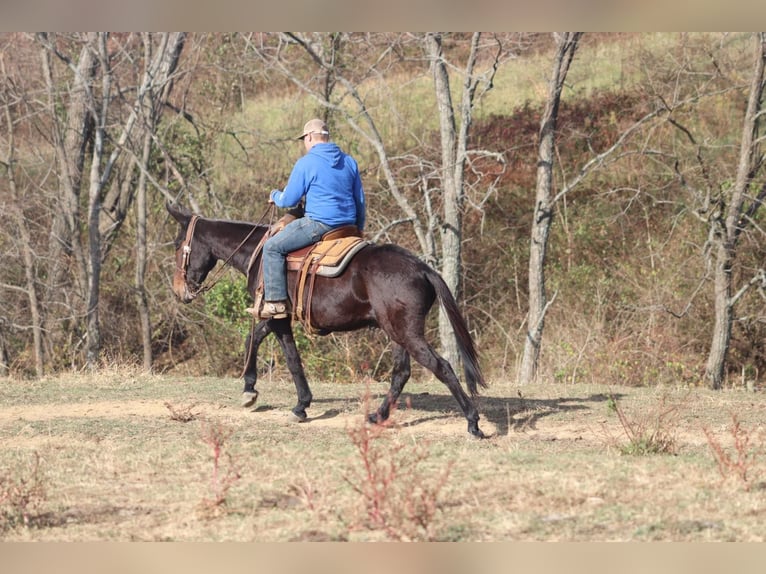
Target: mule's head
{"x": 193, "y": 259}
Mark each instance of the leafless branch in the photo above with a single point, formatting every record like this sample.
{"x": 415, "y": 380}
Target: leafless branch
{"x": 689, "y": 303}
{"x": 759, "y": 279}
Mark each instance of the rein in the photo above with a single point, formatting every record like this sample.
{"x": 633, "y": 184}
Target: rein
{"x": 218, "y": 273}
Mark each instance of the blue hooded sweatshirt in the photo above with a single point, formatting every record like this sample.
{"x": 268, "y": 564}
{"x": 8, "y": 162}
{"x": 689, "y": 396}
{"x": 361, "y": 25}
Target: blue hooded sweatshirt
{"x": 330, "y": 181}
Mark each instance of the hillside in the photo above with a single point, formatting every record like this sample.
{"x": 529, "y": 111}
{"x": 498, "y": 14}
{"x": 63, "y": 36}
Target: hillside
{"x": 628, "y": 263}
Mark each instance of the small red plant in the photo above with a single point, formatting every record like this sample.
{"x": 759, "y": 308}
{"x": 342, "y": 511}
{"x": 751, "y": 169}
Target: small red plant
{"x": 740, "y": 460}
{"x": 399, "y": 498}
{"x": 225, "y": 472}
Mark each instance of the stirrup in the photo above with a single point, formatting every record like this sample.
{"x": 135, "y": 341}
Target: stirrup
{"x": 274, "y": 310}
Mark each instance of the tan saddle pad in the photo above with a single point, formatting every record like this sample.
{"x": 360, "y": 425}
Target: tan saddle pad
{"x": 328, "y": 258}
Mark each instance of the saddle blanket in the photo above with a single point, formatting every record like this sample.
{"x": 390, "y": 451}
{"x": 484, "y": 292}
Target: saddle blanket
{"x": 328, "y": 258}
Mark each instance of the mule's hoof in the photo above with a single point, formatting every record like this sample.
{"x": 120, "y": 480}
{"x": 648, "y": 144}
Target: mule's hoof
{"x": 249, "y": 398}
{"x": 299, "y": 417}
{"x": 476, "y": 432}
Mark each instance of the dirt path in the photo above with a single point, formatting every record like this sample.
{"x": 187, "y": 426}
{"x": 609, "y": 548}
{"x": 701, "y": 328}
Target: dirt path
{"x": 101, "y": 409}
{"x": 425, "y": 415}
{"x": 319, "y": 416}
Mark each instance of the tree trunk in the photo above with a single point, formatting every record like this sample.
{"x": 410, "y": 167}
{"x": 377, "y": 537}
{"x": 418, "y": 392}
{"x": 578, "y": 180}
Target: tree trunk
{"x": 719, "y": 347}
{"x": 543, "y": 211}
{"x": 70, "y": 139}
{"x": 727, "y": 236}
{"x": 141, "y": 257}
{"x": 96, "y": 182}
{"x": 141, "y": 250}
{"x": 451, "y": 229}
{"x": 454, "y": 144}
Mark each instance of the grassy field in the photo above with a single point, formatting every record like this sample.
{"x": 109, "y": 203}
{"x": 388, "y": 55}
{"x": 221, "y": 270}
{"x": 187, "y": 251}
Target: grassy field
{"x": 116, "y": 456}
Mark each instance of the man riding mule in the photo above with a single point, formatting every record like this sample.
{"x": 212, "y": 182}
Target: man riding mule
{"x": 382, "y": 285}
{"x": 328, "y": 180}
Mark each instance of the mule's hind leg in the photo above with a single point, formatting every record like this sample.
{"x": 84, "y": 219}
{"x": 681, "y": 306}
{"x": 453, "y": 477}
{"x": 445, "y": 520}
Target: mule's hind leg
{"x": 252, "y": 343}
{"x": 284, "y": 332}
{"x": 424, "y": 354}
{"x": 399, "y": 377}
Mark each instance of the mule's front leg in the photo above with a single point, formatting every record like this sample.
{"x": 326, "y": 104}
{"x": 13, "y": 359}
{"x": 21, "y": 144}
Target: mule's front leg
{"x": 284, "y": 333}
{"x": 252, "y": 343}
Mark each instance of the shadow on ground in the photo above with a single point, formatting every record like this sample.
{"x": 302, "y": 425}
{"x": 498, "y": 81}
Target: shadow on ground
{"x": 505, "y": 413}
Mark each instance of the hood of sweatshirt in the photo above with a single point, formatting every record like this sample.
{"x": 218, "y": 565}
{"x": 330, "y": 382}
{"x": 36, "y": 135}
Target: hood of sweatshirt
{"x": 329, "y": 152}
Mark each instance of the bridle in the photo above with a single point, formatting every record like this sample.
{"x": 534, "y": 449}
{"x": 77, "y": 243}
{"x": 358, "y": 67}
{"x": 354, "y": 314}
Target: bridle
{"x": 186, "y": 246}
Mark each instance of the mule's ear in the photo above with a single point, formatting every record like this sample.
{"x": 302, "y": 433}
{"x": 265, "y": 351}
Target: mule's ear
{"x": 180, "y": 214}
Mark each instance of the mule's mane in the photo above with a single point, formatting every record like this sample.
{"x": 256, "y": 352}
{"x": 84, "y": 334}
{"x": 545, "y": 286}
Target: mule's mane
{"x": 236, "y": 222}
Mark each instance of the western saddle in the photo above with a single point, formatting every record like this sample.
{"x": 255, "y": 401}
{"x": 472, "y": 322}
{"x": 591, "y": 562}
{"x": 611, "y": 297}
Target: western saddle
{"x": 326, "y": 258}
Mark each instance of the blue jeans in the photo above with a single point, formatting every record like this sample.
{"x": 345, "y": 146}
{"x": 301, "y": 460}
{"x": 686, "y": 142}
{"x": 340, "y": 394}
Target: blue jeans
{"x": 296, "y": 234}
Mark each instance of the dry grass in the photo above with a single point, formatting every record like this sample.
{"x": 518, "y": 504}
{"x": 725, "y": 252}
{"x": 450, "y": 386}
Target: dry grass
{"x": 115, "y": 466}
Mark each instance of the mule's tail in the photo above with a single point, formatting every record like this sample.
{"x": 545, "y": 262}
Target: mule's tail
{"x": 468, "y": 355}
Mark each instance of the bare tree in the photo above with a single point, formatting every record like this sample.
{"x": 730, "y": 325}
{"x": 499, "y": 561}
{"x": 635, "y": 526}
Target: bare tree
{"x": 455, "y": 127}
{"x": 724, "y": 183}
{"x": 159, "y": 74}
{"x": 11, "y": 99}
{"x": 566, "y": 46}
{"x": 69, "y": 138}
{"x": 735, "y": 214}
{"x": 546, "y": 199}
{"x": 95, "y": 121}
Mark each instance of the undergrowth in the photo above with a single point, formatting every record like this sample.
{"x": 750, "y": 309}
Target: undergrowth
{"x": 651, "y": 432}
{"x": 22, "y": 494}
{"x": 741, "y": 461}
{"x": 398, "y": 495}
